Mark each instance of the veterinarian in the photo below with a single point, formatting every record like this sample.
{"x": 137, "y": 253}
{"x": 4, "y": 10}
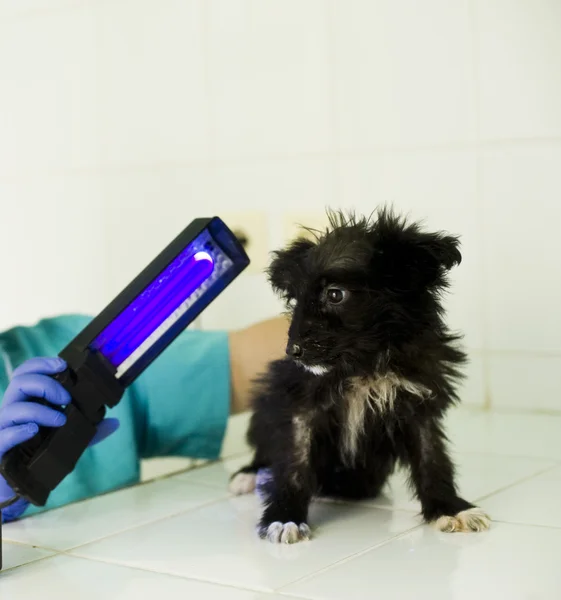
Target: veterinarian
{"x": 177, "y": 407}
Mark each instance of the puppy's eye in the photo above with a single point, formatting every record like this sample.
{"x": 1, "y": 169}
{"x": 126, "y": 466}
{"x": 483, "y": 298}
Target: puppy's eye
{"x": 335, "y": 295}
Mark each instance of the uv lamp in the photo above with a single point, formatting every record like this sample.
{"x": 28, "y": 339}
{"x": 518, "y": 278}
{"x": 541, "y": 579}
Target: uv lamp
{"x": 120, "y": 343}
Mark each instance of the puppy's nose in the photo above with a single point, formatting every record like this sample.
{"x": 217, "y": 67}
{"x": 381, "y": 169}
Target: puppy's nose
{"x": 294, "y": 350}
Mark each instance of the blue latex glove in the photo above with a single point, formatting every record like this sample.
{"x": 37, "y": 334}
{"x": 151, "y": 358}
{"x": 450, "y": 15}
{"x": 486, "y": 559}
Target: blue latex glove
{"x": 20, "y": 417}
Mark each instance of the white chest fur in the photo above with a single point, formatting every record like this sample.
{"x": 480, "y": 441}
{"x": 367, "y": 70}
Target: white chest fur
{"x": 376, "y": 394}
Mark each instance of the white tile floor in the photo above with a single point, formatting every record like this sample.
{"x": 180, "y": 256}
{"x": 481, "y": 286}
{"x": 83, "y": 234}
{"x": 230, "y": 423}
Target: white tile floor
{"x": 183, "y": 536}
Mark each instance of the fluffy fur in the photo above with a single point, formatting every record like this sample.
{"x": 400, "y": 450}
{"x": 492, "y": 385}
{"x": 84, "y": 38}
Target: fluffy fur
{"x": 370, "y": 370}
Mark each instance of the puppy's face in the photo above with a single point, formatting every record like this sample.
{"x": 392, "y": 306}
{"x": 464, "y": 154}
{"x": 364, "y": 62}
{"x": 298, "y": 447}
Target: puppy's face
{"x": 360, "y": 289}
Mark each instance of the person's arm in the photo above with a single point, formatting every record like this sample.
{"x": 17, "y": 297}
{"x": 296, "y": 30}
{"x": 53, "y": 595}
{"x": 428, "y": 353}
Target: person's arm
{"x": 251, "y": 349}
{"x": 179, "y": 406}
{"x": 183, "y": 401}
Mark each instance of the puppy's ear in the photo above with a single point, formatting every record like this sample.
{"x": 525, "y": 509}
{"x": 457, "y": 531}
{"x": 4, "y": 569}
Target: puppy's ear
{"x": 407, "y": 258}
{"x": 444, "y": 250}
{"x": 435, "y": 255}
{"x": 286, "y": 266}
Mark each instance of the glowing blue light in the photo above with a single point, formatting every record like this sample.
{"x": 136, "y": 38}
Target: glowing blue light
{"x": 156, "y": 304}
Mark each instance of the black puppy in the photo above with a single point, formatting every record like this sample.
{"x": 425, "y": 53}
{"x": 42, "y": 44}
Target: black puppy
{"x": 370, "y": 370}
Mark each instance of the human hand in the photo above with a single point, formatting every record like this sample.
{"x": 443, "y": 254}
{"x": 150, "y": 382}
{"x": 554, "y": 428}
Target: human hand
{"x": 20, "y": 417}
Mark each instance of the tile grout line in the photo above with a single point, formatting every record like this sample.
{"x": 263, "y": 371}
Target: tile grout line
{"x": 102, "y": 495}
{"x": 239, "y": 455}
{"x": 28, "y": 545}
{"x": 480, "y": 210}
{"x": 336, "y": 501}
{"x": 31, "y": 562}
{"x": 323, "y": 500}
{"x": 555, "y": 464}
{"x": 167, "y": 574}
{"x": 332, "y": 59}
{"x": 168, "y": 477}
{"x": 34, "y": 13}
{"x": 366, "y": 504}
{"x": 335, "y": 129}
{"x": 146, "y": 523}
{"x": 126, "y": 529}
{"x": 336, "y": 564}
{"x": 53, "y": 551}
{"x": 517, "y": 353}
{"x": 525, "y": 412}
{"x": 377, "y": 546}
{"x": 348, "y": 558}
{"x": 215, "y": 487}
{"x": 557, "y": 461}
{"x": 518, "y": 482}
{"x": 68, "y": 554}
{"x": 520, "y": 524}
{"x": 210, "y": 112}
{"x": 106, "y": 169}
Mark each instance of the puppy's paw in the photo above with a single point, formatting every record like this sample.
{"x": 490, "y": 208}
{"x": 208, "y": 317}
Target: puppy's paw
{"x": 242, "y": 483}
{"x": 285, "y": 533}
{"x": 473, "y": 519}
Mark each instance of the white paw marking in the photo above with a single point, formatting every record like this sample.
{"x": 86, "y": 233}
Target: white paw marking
{"x": 242, "y": 483}
{"x": 473, "y": 519}
{"x": 287, "y": 533}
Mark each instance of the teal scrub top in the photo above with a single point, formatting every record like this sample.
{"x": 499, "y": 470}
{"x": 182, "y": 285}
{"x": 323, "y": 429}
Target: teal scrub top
{"x": 178, "y": 407}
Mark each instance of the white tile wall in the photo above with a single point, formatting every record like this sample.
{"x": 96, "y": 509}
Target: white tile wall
{"x": 10, "y": 8}
{"x": 53, "y": 247}
{"x": 120, "y": 121}
{"x": 152, "y": 101}
{"x": 518, "y": 57}
{"x": 249, "y": 300}
{"x": 48, "y": 92}
{"x": 525, "y": 381}
{"x": 521, "y": 188}
{"x": 279, "y": 187}
{"x": 269, "y": 76}
{"x": 146, "y": 209}
{"x": 404, "y": 73}
{"x": 473, "y": 390}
